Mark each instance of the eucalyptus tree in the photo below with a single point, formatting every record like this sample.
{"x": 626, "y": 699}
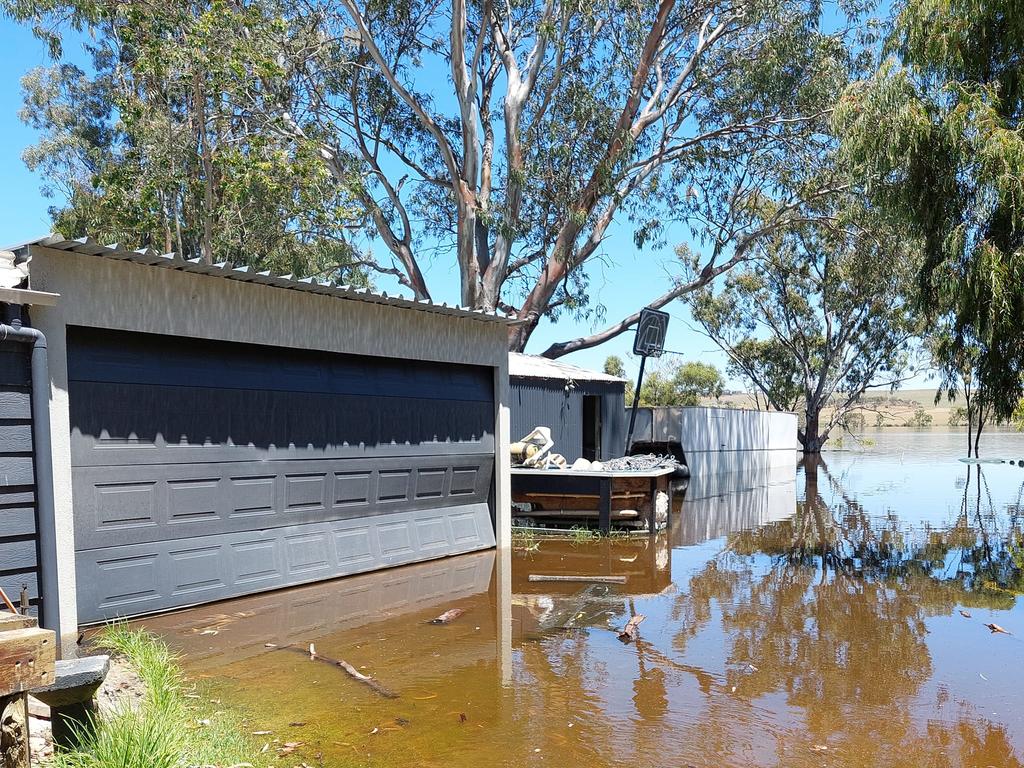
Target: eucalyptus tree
{"x": 824, "y": 314}
{"x": 936, "y": 136}
{"x": 511, "y": 139}
{"x": 515, "y": 136}
{"x": 146, "y": 146}
{"x": 959, "y": 359}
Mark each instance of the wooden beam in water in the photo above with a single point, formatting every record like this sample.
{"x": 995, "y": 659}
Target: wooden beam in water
{"x": 579, "y": 578}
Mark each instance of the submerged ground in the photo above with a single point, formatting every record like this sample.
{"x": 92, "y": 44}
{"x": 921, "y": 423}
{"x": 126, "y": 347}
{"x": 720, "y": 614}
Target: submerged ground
{"x": 833, "y": 618}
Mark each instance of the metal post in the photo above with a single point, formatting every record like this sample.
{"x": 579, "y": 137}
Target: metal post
{"x": 604, "y": 510}
{"x": 636, "y": 402}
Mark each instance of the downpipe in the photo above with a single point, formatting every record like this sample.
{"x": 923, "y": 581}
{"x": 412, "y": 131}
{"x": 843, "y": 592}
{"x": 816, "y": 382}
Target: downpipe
{"x": 42, "y": 446}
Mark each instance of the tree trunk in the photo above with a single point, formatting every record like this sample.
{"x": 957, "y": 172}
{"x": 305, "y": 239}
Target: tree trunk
{"x": 561, "y": 259}
{"x": 970, "y": 422}
{"x": 810, "y": 439}
{"x": 206, "y": 157}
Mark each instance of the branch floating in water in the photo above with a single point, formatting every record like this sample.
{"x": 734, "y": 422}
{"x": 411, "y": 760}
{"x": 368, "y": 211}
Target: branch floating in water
{"x": 343, "y": 665}
{"x": 577, "y": 578}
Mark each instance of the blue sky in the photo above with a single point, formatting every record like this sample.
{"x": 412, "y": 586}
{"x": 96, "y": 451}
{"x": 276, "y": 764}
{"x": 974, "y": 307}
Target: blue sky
{"x": 623, "y": 280}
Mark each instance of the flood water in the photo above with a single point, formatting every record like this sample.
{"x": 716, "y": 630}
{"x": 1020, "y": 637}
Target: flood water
{"x": 795, "y": 617}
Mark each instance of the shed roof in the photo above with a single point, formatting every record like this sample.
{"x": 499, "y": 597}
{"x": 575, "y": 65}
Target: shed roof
{"x": 149, "y": 257}
{"x": 537, "y": 367}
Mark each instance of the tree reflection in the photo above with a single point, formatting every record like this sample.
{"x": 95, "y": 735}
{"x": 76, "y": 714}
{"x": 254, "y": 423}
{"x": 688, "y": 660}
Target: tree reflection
{"x": 829, "y": 609}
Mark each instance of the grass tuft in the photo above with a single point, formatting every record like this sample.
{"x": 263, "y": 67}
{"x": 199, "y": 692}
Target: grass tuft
{"x": 168, "y": 729}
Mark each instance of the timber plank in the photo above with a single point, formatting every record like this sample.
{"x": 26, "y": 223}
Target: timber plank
{"x": 27, "y": 659}
{"x": 10, "y": 620}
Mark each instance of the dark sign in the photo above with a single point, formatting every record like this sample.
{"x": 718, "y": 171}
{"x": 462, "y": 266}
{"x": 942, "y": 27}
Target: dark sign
{"x": 650, "y": 333}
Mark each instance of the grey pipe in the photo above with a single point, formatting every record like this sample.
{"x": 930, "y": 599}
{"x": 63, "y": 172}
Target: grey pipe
{"x": 43, "y": 464}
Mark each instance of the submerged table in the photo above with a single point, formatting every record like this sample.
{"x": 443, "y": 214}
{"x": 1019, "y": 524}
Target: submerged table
{"x": 600, "y": 484}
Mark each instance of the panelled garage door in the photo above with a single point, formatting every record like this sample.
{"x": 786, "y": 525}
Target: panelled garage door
{"x": 204, "y": 470}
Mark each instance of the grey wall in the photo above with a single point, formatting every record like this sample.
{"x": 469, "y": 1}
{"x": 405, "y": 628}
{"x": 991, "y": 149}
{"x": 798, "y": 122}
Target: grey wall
{"x": 720, "y": 440}
{"x": 614, "y": 423}
{"x": 18, "y": 548}
{"x": 547, "y": 403}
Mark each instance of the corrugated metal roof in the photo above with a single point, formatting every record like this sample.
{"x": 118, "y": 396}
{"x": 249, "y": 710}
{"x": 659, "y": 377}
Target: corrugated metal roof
{"x": 537, "y": 367}
{"x": 149, "y": 257}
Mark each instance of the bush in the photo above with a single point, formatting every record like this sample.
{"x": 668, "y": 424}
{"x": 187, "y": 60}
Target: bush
{"x": 921, "y": 418}
{"x": 958, "y": 417}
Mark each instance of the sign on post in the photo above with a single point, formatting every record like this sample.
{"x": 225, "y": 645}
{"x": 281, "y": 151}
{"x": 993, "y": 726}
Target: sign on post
{"x": 651, "y": 330}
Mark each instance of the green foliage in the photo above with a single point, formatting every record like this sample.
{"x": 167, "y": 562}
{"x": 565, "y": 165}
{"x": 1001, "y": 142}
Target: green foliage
{"x": 1017, "y": 418}
{"x": 697, "y": 381}
{"x": 280, "y": 125}
{"x": 853, "y": 421}
{"x": 681, "y": 384}
{"x": 767, "y": 365}
{"x": 936, "y": 139}
{"x": 153, "y": 147}
{"x": 167, "y": 730}
{"x": 614, "y": 366}
{"x": 958, "y": 417}
{"x": 820, "y": 317}
{"x": 920, "y": 418}
{"x": 658, "y": 388}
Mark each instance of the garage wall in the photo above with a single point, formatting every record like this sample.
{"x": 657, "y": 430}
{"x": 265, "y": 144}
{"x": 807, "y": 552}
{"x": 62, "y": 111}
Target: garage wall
{"x": 18, "y": 546}
{"x": 540, "y": 403}
{"x": 103, "y": 293}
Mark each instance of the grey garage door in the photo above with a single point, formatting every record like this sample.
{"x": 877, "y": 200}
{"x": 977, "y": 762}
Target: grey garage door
{"x": 205, "y": 470}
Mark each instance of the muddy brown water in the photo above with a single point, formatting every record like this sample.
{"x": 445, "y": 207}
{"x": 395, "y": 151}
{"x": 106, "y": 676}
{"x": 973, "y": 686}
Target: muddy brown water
{"x": 800, "y": 617}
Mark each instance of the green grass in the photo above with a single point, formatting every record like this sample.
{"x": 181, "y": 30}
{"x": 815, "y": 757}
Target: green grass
{"x": 169, "y": 729}
{"x": 525, "y": 538}
{"x": 529, "y": 539}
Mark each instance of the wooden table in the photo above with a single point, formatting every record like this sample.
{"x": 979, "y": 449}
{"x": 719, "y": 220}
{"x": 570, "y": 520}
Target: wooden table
{"x": 600, "y": 486}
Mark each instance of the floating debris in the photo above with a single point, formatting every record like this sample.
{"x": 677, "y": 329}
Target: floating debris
{"x": 448, "y": 616}
{"x": 578, "y": 578}
{"x": 630, "y": 631}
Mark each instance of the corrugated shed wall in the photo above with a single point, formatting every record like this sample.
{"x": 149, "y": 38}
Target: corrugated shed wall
{"x": 540, "y": 403}
{"x": 18, "y": 547}
{"x": 543, "y": 403}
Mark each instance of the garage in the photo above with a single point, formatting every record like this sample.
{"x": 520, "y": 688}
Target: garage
{"x": 219, "y": 433}
{"x": 204, "y": 470}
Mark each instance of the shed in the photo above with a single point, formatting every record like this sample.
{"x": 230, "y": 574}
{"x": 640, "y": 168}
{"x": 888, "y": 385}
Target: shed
{"x": 585, "y": 409}
{"x": 219, "y": 432}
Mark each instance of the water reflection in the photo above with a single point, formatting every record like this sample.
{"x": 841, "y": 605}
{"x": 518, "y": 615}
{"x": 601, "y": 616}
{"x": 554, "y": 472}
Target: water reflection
{"x": 790, "y": 622}
{"x": 716, "y": 505}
